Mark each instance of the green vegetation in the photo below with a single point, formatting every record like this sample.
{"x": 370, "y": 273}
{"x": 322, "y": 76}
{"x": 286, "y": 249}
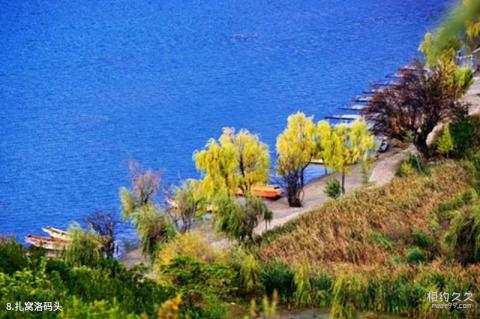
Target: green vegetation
{"x": 348, "y": 144}
{"x": 396, "y": 211}
{"x": 85, "y": 248}
{"x": 465, "y": 134}
{"x": 296, "y": 147}
{"x": 189, "y": 204}
{"x": 139, "y": 204}
{"x": 237, "y": 220}
{"x": 411, "y": 165}
{"x": 333, "y": 189}
{"x": 445, "y": 142}
{"x": 462, "y": 27}
{"x": 376, "y": 250}
{"x": 302, "y": 141}
{"x": 105, "y": 287}
{"x": 233, "y": 165}
{"x": 386, "y": 248}
{"x": 235, "y": 162}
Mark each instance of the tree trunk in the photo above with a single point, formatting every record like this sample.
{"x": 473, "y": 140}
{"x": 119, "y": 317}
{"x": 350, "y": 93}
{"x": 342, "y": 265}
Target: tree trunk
{"x": 420, "y": 143}
{"x": 343, "y": 182}
{"x": 294, "y": 200}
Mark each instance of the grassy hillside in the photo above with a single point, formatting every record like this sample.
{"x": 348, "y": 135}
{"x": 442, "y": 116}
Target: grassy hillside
{"x": 371, "y": 226}
{"x": 384, "y": 249}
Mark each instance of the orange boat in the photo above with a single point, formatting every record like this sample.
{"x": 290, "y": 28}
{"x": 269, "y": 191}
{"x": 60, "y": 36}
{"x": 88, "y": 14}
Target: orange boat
{"x": 265, "y": 191}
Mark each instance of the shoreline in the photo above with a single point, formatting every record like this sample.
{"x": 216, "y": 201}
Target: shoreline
{"x": 382, "y": 171}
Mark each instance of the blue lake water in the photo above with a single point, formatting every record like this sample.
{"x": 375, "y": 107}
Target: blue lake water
{"x": 86, "y": 86}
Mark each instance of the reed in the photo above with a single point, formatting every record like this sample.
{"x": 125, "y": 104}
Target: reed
{"x": 378, "y": 250}
{"x": 369, "y": 226}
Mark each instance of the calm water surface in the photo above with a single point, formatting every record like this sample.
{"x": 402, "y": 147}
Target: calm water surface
{"x": 86, "y": 86}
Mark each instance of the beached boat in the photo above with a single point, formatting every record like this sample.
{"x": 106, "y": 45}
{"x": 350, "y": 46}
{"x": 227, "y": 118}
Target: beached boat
{"x": 265, "y": 191}
{"x": 316, "y": 161}
{"x": 48, "y": 243}
{"x": 170, "y": 201}
{"x": 57, "y": 233}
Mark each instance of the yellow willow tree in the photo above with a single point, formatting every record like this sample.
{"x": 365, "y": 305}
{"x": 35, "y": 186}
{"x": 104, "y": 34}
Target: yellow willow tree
{"x": 235, "y": 162}
{"x": 139, "y": 203}
{"x": 296, "y": 147}
{"x": 347, "y": 145}
{"x": 322, "y": 141}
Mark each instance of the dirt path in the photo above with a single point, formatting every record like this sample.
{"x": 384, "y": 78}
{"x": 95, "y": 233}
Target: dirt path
{"x": 473, "y": 97}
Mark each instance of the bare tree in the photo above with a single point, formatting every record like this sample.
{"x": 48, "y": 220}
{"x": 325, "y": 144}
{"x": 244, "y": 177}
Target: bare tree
{"x": 104, "y": 223}
{"x": 145, "y": 185}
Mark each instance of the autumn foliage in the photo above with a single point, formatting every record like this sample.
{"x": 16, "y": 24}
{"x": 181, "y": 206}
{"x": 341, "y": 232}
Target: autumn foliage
{"x": 421, "y": 100}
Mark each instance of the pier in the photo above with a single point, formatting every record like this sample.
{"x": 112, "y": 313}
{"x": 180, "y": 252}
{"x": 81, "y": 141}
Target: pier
{"x": 344, "y": 117}
{"x": 355, "y": 107}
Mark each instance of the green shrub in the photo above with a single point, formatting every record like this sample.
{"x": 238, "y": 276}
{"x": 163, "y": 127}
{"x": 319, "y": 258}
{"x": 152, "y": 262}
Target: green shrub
{"x": 446, "y": 210}
{"x": 396, "y": 260}
{"x": 383, "y": 240}
{"x": 304, "y": 294}
{"x": 416, "y": 256}
{"x": 405, "y": 169}
{"x": 421, "y": 239}
{"x": 426, "y": 242}
{"x": 463, "y": 236}
{"x": 347, "y": 294}
{"x": 201, "y": 285}
{"x": 249, "y": 273}
{"x": 12, "y": 256}
{"x": 445, "y": 143}
{"x": 76, "y": 309}
{"x": 277, "y": 276}
{"x": 323, "y": 285}
{"x": 84, "y": 248}
{"x": 333, "y": 189}
{"x": 474, "y": 159}
{"x": 413, "y": 164}
{"x": 237, "y": 220}
{"x": 466, "y": 135}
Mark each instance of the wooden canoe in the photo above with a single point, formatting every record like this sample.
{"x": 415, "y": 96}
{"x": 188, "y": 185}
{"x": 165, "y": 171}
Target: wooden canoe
{"x": 265, "y": 191}
{"x": 170, "y": 201}
{"x": 46, "y": 242}
{"x": 57, "y": 233}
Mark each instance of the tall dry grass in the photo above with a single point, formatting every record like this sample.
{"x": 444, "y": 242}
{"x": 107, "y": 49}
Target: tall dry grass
{"x": 347, "y": 230}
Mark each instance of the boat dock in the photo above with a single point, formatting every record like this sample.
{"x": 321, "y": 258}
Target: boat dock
{"x": 383, "y": 84}
{"x": 362, "y": 99}
{"x": 354, "y": 107}
{"x": 344, "y": 117}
